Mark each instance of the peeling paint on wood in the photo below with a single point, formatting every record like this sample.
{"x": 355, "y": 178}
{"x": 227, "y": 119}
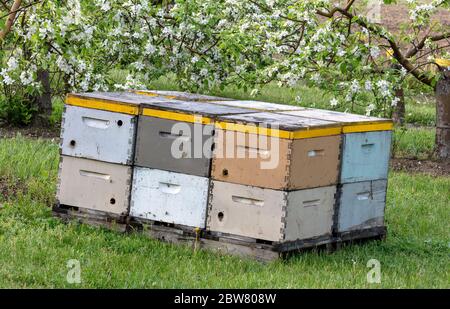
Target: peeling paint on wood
{"x": 361, "y": 205}
{"x": 169, "y": 197}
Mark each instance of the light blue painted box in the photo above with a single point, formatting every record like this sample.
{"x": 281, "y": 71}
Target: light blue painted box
{"x": 361, "y": 205}
{"x": 365, "y": 156}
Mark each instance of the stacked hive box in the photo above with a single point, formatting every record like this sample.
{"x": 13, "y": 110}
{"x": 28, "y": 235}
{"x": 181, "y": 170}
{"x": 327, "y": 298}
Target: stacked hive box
{"x": 361, "y": 199}
{"x": 97, "y": 148}
{"x": 282, "y": 187}
{"x": 249, "y": 171}
{"x": 173, "y": 157}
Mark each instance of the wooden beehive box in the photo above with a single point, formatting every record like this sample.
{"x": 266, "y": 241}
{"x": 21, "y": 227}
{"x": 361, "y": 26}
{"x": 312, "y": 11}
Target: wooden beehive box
{"x": 169, "y": 197}
{"x": 276, "y": 151}
{"x": 101, "y": 126}
{"x": 361, "y": 205}
{"x": 366, "y": 143}
{"x": 94, "y": 185}
{"x": 271, "y": 215}
{"x": 186, "y": 126}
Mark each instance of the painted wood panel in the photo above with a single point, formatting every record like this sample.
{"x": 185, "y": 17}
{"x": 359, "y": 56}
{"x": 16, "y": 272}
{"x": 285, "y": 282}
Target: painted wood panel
{"x": 94, "y": 185}
{"x": 169, "y": 197}
{"x": 365, "y": 156}
{"x": 276, "y": 163}
{"x": 174, "y": 146}
{"x": 271, "y": 215}
{"x": 98, "y": 135}
{"x": 310, "y": 213}
{"x": 361, "y": 205}
{"x": 246, "y": 211}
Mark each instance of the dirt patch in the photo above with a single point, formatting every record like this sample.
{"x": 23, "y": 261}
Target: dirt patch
{"x": 30, "y": 132}
{"x": 434, "y": 168}
{"x": 10, "y": 188}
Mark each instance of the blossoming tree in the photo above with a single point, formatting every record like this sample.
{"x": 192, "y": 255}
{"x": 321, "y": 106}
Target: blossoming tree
{"x": 211, "y": 43}
{"x": 335, "y": 47}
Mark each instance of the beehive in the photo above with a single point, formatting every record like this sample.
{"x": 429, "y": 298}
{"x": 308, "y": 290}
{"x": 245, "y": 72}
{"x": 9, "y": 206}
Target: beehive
{"x": 101, "y": 126}
{"x": 178, "y": 136}
{"x": 94, "y": 185}
{"x": 366, "y": 143}
{"x": 276, "y": 151}
{"x": 361, "y": 205}
{"x": 169, "y": 197}
{"x": 270, "y": 215}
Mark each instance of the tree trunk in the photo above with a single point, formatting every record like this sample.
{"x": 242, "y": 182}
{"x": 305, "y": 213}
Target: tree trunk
{"x": 399, "y": 110}
{"x": 44, "y": 100}
{"x": 443, "y": 116}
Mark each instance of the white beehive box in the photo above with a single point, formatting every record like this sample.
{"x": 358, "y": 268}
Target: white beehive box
{"x": 169, "y": 197}
{"x": 97, "y": 134}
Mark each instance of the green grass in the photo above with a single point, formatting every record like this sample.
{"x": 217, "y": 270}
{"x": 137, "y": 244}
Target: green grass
{"x": 417, "y": 143}
{"x": 35, "y": 248}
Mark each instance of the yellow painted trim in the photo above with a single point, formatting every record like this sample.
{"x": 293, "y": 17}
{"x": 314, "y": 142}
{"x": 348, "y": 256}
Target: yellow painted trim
{"x": 317, "y": 132}
{"x": 385, "y": 126}
{"x": 251, "y": 129}
{"x": 443, "y": 62}
{"x": 110, "y": 106}
{"x": 154, "y": 94}
{"x": 176, "y": 116}
{"x": 147, "y": 93}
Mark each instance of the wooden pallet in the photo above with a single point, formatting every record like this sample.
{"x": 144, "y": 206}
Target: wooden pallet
{"x": 90, "y": 217}
{"x": 223, "y": 243}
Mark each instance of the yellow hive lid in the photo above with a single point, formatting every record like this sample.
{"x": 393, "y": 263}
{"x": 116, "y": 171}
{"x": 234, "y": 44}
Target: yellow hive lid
{"x": 119, "y": 102}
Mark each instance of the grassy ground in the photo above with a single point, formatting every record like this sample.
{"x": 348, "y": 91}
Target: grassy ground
{"x": 35, "y": 248}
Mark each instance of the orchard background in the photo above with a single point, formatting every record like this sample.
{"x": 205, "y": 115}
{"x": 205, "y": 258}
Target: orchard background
{"x": 383, "y": 59}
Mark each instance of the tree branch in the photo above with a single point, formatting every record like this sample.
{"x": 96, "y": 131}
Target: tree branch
{"x": 10, "y": 21}
{"x": 415, "y": 49}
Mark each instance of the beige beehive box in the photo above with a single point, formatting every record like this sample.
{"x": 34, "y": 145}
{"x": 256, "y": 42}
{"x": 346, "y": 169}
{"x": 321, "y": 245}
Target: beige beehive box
{"x": 271, "y": 215}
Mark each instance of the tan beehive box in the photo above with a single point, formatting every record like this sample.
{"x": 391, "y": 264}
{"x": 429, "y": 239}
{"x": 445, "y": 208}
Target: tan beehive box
{"x": 94, "y": 185}
{"x": 276, "y": 151}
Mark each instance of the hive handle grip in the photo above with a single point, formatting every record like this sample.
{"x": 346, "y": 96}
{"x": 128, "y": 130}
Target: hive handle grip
{"x": 247, "y": 201}
{"x": 169, "y": 188}
{"x": 316, "y": 153}
{"x": 95, "y": 122}
{"x": 105, "y": 177}
{"x": 170, "y": 135}
{"x": 311, "y": 203}
{"x": 362, "y": 196}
